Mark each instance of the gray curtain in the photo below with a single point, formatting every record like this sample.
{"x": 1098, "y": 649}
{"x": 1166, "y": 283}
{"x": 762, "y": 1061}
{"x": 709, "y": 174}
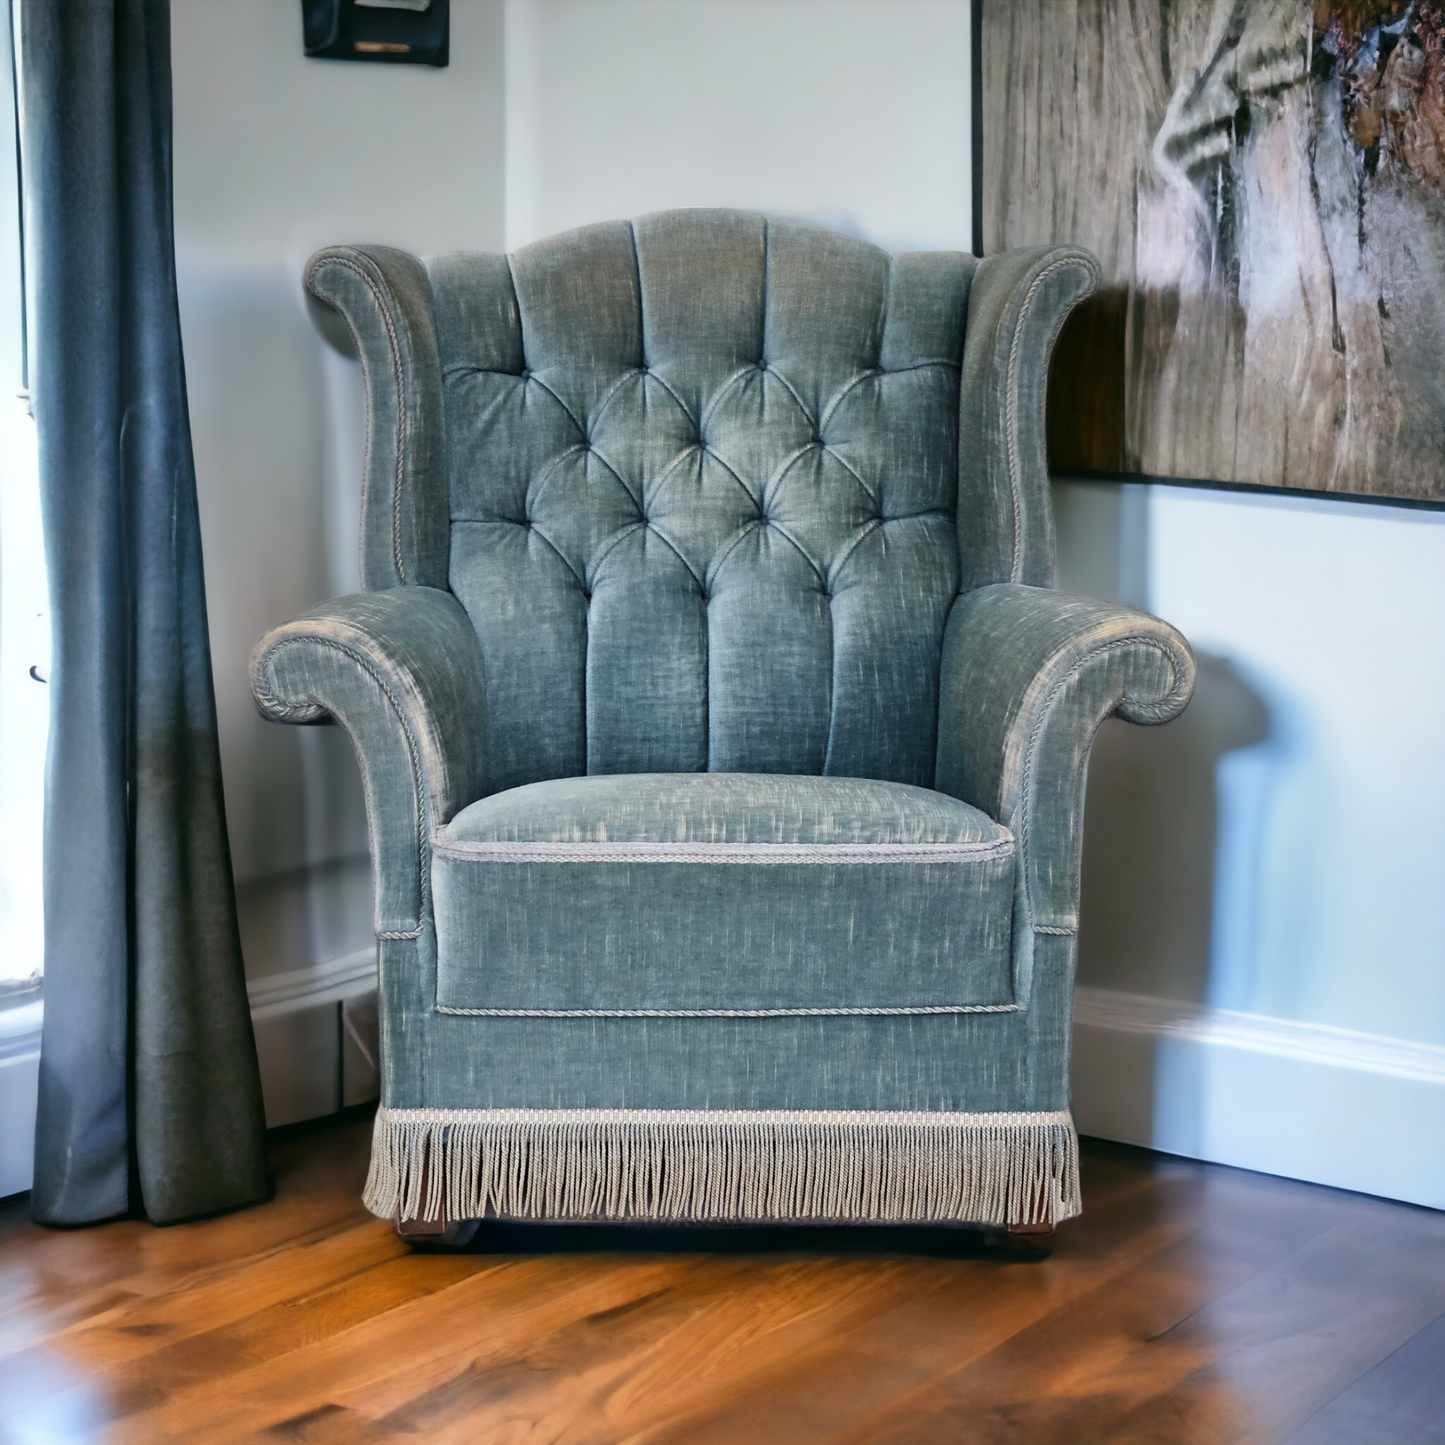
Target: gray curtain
{"x": 149, "y": 1094}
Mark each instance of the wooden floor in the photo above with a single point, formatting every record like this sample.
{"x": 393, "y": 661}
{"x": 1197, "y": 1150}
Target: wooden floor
{"x": 1189, "y": 1303}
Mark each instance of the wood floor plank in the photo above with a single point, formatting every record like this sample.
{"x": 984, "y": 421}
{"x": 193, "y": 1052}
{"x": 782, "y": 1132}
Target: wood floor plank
{"x": 820, "y": 1359}
{"x": 1189, "y": 1304}
{"x": 1285, "y": 1340}
{"x": 712, "y": 1333}
{"x": 1150, "y": 1282}
{"x": 54, "y": 1280}
{"x": 1192, "y": 1354}
{"x": 204, "y": 1304}
{"x": 484, "y": 1316}
{"x": 938, "y": 1320}
{"x": 206, "y": 1360}
{"x": 1401, "y": 1399}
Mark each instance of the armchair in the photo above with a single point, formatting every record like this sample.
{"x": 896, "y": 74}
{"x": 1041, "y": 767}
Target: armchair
{"x": 723, "y": 740}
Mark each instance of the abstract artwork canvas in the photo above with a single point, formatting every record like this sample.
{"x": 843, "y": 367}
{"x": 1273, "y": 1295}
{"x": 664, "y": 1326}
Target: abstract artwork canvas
{"x": 1263, "y": 182}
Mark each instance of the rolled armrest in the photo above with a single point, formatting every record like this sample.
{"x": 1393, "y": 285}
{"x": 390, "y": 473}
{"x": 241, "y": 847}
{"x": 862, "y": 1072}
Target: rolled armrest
{"x": 1016, "y": 306}
{"x": 1028, "y": 676}
{"x": 401, "y": 671}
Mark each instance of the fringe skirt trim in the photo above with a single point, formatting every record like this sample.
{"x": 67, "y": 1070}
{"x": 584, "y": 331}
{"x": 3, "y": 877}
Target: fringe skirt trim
{"x": 724, "y": 1165}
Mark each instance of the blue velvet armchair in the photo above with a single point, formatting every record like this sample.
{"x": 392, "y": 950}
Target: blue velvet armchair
{"x": 723, "y": 740}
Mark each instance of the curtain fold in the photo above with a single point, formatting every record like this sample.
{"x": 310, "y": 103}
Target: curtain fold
{"x": 149, "y": 1094}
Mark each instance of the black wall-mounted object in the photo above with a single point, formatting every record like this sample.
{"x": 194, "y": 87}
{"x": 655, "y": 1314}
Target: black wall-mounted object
{"x": 405, "y": 32}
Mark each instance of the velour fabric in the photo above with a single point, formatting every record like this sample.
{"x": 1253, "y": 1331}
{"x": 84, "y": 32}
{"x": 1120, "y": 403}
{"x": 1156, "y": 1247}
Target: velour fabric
{"x": 723, "y": 893}
{"x": 703, "y": 490}
{"x": 385, "y": 298}
{"x": 400, "y": 670}
{"x": 1006, "y": 1060}
{"x": 733, "y": 761}
{"x": 722, "y": 808}
{"x": 149, "y": 1096}
{"x": 1018, "y": 303}
{"x": 1028, "y": 675}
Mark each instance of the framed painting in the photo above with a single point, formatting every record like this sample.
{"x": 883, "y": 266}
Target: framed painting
{"x": 1263, "y": 182}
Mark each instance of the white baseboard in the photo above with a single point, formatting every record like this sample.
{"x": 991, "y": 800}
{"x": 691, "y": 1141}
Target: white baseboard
{"x": 19, "y": 1078}
{"x": 1328, "y": 1105}
{"x": 328, "y": 982}
{"x": 310, "y": 1063}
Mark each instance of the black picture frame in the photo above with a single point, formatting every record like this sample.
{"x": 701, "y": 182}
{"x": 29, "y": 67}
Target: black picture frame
{"x": 381, "y": 34}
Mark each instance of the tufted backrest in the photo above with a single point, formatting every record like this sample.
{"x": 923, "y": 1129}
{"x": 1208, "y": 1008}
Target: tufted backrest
{"x": 703, "y": 479}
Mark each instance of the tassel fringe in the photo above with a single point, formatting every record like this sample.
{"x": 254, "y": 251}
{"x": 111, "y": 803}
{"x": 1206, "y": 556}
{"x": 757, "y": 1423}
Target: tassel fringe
{"x": 715, "y": 1165}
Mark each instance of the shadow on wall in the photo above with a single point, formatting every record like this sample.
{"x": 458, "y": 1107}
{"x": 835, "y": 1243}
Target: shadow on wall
{"x": 277, "y": 424}
{"x": 1171, "y": 849}
{"x": 1174, "y": 834}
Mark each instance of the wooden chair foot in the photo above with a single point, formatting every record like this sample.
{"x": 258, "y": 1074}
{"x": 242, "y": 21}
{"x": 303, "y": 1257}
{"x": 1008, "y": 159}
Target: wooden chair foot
{"x": 438, "y": 1233}
{"x": 1032, "y": 1231}
{"x": 435, "y": 1233}
{"x": 1020, "y": 1242}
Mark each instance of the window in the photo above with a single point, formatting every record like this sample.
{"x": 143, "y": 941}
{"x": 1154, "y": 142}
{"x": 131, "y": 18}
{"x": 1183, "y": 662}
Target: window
{"x": 24, "y": 611}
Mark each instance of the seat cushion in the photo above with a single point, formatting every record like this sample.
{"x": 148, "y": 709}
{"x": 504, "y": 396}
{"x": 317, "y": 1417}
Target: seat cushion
{"x": 722, "y": 894}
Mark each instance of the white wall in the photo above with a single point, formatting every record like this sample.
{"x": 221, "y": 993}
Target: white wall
{"x": 1286, "y": 860}
{"x": 1331, "y": 818}
{"x": 1263, "y": 952}
{"x": 276, "y": 156}
{"x": 850, "y": 113}
{"x": 1261, "y": 970}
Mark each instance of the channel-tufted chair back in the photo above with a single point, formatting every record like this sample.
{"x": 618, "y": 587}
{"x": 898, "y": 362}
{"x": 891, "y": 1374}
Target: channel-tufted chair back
{"x": 703, "y": 476}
